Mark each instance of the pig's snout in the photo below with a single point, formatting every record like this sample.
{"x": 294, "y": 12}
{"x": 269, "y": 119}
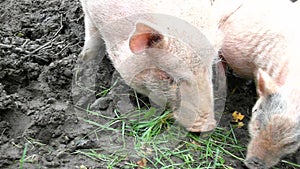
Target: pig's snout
{"x": 255, "y": 163}
{"x": 200, "y": 126}
{"x": 198, "y": 123}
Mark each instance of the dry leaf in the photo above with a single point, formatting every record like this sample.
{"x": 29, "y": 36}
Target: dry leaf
{"x": 233, "y": 91}
{"x": 240, "y": 124}
{"x": 195, "y": 143}
{"x": 82, "y": 167}
{"x": 142, "y": 163}
{"x": 237, "y": 116}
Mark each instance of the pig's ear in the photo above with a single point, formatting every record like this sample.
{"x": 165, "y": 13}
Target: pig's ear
{"x": 145, "y": 37}
{"x": 265, "y": 84}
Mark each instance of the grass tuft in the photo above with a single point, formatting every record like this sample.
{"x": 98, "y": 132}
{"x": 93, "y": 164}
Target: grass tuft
{"x": 162, "y": 143}
{"x": 22, "y": 161}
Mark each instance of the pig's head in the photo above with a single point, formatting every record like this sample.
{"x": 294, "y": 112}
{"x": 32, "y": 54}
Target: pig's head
{"x": 273, "y": 129}
{"x": 167, "y": 67}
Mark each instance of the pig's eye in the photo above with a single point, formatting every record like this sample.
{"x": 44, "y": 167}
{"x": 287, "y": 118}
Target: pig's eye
{"x": 255, "y": 108}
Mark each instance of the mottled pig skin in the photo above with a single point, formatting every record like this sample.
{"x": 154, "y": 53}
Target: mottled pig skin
{"x": 154, "y": 62}
{"x": 261, "y": 41}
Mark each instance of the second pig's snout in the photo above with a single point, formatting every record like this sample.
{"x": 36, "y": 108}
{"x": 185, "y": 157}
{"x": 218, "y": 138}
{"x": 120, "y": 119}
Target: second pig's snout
{"x": 255, "y": 163}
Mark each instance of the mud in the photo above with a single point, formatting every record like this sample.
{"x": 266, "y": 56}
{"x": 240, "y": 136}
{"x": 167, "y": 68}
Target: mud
{"x": 39, "y": 106}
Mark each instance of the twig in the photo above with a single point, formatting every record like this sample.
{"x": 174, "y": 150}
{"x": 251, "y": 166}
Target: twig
{"x": 53, "y": 39}
{"x": 5, "y": 46}
{"x": 42, "y": 47}
{"x": 61, "y": 26}
{"x": 63, "y": 49}
{"x": 26, "y": 41}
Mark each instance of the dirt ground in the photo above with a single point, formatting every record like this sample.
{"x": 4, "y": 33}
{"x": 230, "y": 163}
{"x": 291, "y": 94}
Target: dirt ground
{"x": 39, "y": 45}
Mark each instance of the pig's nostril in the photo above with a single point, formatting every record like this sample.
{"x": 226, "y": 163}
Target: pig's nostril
{"x": 255, "y": 163}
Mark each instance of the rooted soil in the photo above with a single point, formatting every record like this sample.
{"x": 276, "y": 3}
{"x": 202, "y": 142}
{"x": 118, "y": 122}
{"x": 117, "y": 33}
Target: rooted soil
{"x": 39, "y": 46}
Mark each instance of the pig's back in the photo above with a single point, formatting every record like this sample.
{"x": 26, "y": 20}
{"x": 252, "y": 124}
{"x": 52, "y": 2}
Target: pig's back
{"x": 257, "y": 35}
{"x": 197, "y": 13}
{"x": 192, "y": 11}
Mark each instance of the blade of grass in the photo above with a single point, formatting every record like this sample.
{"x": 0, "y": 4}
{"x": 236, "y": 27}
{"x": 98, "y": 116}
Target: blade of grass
{"x": 23, "y": 156}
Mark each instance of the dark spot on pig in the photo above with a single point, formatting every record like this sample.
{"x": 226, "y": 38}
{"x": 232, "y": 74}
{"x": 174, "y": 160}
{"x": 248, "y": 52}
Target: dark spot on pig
{"x": 154, "y": 39}
{"x": 165, "y": 76}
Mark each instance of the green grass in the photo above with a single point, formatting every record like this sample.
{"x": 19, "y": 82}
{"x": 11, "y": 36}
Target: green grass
{"x": 30, "y": 144}
{"x": 105, "y": 91}
{"x": 22, "y": 160}
{"x": 164, "y": 143}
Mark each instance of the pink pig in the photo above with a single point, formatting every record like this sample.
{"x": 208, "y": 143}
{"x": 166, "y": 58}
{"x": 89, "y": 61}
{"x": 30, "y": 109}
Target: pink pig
{"x": 148, "y": 43}
{"x": 261, "y": 41}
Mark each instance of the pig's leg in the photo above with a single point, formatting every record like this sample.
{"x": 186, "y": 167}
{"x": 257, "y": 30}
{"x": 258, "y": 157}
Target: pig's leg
{"x": 89, "y": 58}
{"x": 93, "y": 42}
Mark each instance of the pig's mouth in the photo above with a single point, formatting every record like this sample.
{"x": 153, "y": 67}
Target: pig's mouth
{"x": 255, "y": 163}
